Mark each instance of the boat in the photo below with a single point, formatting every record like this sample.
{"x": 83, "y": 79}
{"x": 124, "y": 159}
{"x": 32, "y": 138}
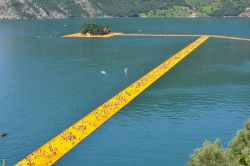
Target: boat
{"x": 3, "y": 134}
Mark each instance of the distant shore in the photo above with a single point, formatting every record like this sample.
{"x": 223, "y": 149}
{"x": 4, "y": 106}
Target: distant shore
{"x": 242, "y": 15}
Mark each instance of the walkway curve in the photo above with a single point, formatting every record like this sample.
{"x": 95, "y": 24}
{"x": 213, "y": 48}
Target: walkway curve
{"x": 57, "y": 147}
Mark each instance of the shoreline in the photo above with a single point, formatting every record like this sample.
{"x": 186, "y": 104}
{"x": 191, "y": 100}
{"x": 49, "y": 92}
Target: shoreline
{"x": 109, "y": 17}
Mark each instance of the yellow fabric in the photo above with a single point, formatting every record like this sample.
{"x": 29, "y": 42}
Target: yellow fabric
{"x": 54, "y": 149}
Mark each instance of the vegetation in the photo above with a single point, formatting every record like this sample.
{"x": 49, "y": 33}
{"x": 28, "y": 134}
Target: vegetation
{"x": 131, "y": 8}
{"x": 175, "y": 11}
{"x": 94, "y": 29}
{"x": 204, "y": 8}
{"x": 213, "y": 154}
{"x": 17, "y": 5}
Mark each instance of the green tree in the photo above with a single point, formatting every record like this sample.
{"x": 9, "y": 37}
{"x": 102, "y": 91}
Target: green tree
{"x": 213, "y": 154}
{"x": 92, "y": 28}
{"x": 239, "y": 147}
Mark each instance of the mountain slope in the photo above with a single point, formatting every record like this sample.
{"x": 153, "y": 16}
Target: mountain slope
{"x": 46, "y": 8}
{"x": 120, "y": 8}
{"x": 15, "y": 9}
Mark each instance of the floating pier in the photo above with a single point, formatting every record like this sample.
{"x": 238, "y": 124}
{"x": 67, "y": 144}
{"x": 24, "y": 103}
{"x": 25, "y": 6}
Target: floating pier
{"x": 57, "y": 147}
{"x": 79, "y": 35}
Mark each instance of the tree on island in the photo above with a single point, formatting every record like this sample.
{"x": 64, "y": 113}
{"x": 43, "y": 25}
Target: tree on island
{"x": 94, "y": 29}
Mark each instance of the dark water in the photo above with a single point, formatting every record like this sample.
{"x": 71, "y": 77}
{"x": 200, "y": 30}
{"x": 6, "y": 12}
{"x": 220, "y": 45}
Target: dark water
{"x": 47, "y": 83}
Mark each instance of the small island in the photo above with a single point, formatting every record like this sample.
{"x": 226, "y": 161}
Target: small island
{"x": 90, "y": 29}
{"x": 93, "y": 30}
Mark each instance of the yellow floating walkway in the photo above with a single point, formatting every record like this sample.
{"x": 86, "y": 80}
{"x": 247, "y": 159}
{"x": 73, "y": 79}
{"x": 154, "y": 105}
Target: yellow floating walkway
{"x": 185, "y": 35}
{"x": 229, "y": 37}
{"x": 79, "y": 35}
{"x": 53, "y": 150}
{"x": 160, "y": 35}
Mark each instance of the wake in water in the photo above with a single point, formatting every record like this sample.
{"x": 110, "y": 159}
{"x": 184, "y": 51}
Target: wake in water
{"x": 103, "y": 72}
{"x": 125, "y": 71}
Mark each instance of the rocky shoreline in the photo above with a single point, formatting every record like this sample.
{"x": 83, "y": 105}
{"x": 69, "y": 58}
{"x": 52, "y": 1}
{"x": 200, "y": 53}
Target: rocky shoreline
{"x": 245, "y": 15}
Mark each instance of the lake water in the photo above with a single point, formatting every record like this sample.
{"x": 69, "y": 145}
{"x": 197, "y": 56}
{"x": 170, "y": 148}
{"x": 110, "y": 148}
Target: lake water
{"x": 48, "y": 82}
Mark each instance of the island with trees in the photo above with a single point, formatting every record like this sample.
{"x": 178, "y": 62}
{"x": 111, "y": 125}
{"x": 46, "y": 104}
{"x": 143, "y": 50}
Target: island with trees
{"x": 93, "y": 30}
{"x": 90, "y": 29}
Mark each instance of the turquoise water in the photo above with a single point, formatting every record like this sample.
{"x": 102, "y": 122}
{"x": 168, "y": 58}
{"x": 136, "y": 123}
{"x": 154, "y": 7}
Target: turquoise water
{"x": 47, "y": 83}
